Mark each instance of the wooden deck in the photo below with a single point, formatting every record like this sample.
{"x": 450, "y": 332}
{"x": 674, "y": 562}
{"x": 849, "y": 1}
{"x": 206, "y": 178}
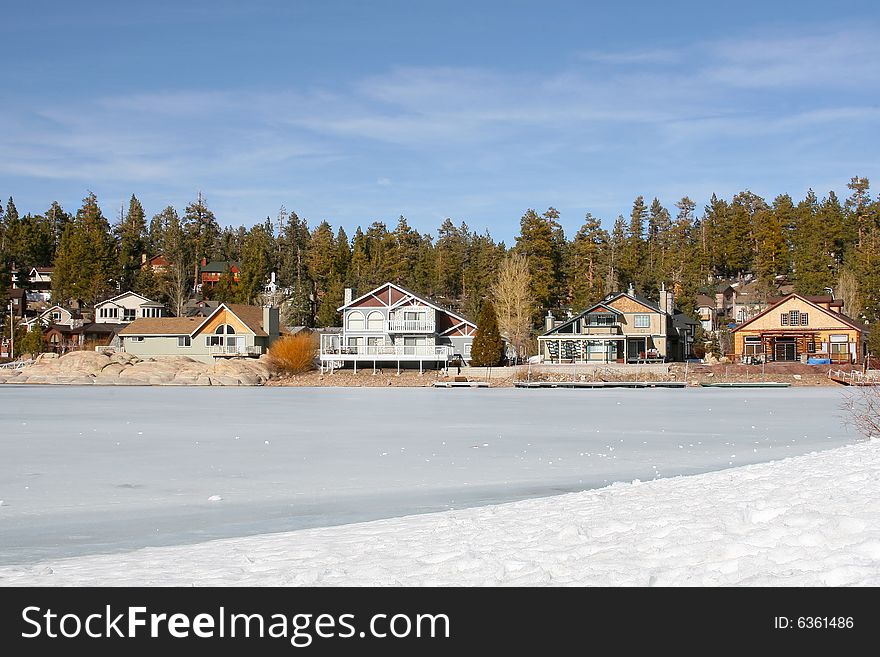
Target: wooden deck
{"x": 600, "y": 384}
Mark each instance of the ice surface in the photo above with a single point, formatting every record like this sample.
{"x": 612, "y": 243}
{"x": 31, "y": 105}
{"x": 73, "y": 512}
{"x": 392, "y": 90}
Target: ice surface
{"x": 86, "y": 470}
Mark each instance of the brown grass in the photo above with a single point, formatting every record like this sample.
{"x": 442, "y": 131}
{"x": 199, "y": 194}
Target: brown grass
{"x": 294, "y": 354}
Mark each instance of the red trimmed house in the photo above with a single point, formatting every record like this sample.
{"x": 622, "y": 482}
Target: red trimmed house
{"x": 391, "y": 324}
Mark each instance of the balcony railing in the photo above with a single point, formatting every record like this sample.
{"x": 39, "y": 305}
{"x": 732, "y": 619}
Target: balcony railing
{"x": 386, "y": 352}
{"x": 235, "y": 350}
{"x": 411, "y": 325}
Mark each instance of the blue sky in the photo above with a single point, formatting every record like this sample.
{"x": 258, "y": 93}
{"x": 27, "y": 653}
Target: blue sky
{"x": 362, "y": 111}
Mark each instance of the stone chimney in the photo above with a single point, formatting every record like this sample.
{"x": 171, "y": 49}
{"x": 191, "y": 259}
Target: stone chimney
{"x": 666, "y": 299}
{"x": 270, "y": 322}
{"x": 348, "y": 295}
{"x": 549, "y": 321}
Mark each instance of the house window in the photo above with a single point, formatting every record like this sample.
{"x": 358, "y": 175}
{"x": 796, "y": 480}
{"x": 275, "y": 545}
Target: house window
{"x": 643, "y": 321}
{"x": 752, "y": 347}
{"x": 794, "y": 317}
{"x": 218, "y": 339}
{"x": 184, "y": 341}
{"x": 811, "y": 347}
{"x": 805, "y": 319}
{"x": 783, "y": 319}
{"x": 138, "y": 338}
{"x": 128, "y": 314}
{"x": 375, "y": 321}
{"x": 375, "y": 342}
{"x": 109, "y": 312}
{"x": 410, "y": 316}
{"x": 602, "y": 320}
{"x": 467, "y": 350}
{"x": 355, "y": 321}
{"x": 56, "y": 317}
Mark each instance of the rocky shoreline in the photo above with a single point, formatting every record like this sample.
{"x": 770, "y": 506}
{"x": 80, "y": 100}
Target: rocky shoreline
{"x": 91, "y": 368}
{"x": 120, "y": 369}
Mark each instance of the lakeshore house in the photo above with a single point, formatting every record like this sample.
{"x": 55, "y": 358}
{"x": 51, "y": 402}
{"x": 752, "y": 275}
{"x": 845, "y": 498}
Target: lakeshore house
{"x": 392, "y": 325}
{"x": 231, "y": 330}
{"x": 623, "y": 328}
{"x": 800, "y": 328}
{"x": 127, "y": 307}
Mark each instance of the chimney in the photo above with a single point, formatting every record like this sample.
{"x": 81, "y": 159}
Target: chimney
{"x": 666, "y": 299}
{"x": 549, "y": 321}
{"x": 143, "y": 258}
{"x": 631, "y": 291}
{"x": 270, "y": 321}
{"x": 348, "y": 295}
{"x": 204, "y": 261}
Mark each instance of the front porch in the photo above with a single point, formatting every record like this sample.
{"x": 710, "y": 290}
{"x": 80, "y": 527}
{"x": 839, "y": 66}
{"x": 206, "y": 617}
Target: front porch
{"x": 791, "y": 347}
{"x": 334, "y": 354}
{"x": 600, "y": 349}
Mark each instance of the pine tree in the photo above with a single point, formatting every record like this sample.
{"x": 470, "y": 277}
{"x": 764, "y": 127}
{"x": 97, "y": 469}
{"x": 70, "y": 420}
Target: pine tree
{"x": 632, "y": 266}
{"x": 177, "y": 250}
{"x": 86, "y": 265}
{"x": 256, "y": 263}
{"x": 812, "y": 273}
{"x": 538, "y": 242}
{"x": 449, "y": 259}
{"x": 131, "y": 234}
{"x": 203, "y": 232}
{"x": 587, "y": 262}
{"x": 488, "y": 347}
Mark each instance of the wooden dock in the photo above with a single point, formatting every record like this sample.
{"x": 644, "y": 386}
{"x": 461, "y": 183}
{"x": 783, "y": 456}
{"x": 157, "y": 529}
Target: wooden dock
{"x": 746, "y": 384}
{"x": 855, "y": 378}
{"x": 600, "y": 384}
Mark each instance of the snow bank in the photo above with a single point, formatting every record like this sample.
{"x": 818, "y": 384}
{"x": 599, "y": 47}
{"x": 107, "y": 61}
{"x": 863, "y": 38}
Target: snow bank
{"x": 808, "y": 520}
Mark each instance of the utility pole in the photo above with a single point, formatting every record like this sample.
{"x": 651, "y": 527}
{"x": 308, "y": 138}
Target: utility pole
{"x": 11, "y": 333}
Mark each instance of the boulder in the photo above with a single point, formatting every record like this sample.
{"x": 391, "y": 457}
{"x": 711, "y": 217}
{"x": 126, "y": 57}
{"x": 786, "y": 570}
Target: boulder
{"x": 83, "y": 362}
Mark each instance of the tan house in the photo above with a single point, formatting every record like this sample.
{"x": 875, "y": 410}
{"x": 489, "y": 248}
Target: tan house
{"x": 624, "y": 327}
{"x": 797, "y": 328}
{"x": 232, "y": 330}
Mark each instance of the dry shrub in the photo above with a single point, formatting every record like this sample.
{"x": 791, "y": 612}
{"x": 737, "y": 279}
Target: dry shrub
{"x": 294, "y": 354}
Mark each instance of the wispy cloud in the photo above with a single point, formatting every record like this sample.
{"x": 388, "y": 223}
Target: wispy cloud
{"x": 461, "y": 136}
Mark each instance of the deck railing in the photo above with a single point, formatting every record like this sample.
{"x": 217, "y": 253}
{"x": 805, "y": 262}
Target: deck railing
{"x": 411, "y": 325}
{"x": 235, "y": 350}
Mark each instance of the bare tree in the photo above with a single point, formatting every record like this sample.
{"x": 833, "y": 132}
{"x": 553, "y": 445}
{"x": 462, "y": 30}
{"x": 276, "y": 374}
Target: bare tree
{"x": 848, "y": 291}
{"x": 864, "y": 407}
{"x": 513, "y": 301}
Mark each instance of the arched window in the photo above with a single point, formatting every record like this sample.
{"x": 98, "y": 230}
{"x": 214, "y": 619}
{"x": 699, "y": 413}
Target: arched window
{"x": 355, "y": 321}
{"x": 375, "y": 321}
{"x": 225, "y": 328}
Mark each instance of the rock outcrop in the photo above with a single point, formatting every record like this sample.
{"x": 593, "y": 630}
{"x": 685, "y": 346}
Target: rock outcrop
{"x": 92, "y": 368}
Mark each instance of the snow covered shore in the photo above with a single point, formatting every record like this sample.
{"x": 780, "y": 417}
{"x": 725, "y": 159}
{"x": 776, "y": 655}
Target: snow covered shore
{"x": 809, "y": 520}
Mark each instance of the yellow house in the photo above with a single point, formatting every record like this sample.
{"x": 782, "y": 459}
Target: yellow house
{"x": 796, "y": 326}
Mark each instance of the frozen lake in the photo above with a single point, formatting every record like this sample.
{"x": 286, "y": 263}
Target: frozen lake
{"x": 92, "y": 469}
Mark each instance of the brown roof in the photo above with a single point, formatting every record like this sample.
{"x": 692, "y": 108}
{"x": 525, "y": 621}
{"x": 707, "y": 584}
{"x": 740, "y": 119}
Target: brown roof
{"x": 163, "y": 326}
{"x": 252, "y": 316}
{"x": 705, "y": 300}
{"x": 840, "y": 316}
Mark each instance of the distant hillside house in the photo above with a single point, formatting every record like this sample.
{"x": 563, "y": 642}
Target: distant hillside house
{"x": 127, "y": 307}
{"x": 210, "y": 272}
{"x": 55, "y": 316}
{"x": 232, "y": 330}
{"x": 624, "y": 327}
{"x": 707, "y": 311}
{"x": 157, "y": 263}
{"x": 37, "y": 283}
{"x": 798, "y": 327}
{"x": 391, "y": 324}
